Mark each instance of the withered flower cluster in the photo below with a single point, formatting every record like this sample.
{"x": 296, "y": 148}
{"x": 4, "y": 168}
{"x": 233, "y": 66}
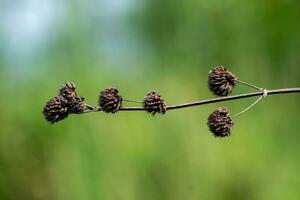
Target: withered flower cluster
{"x": 220, "y": 123}
{"x": 66, "y": 102}
{"x": 221, "y": 81}
{"x": 153, "y": 103}
{"x": 109, "y": 100}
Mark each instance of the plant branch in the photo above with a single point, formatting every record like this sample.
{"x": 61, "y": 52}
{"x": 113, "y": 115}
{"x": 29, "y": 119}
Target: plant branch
{"x": 214, "y": 100}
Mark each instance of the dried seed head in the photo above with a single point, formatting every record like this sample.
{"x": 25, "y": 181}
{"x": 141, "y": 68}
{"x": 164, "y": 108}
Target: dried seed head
{"x": 76, "y": 104}
{"x": 68, "y": 90}
{"x": 153, "y": 103}
{"x": 109, "y": 100}
{"x": 221, "y": 81}
{"x": 56, "y": 109}
{"x": 220, "y": 122}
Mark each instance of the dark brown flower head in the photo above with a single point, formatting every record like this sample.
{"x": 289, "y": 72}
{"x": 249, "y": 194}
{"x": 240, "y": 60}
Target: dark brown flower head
{"x": 68, "y": 90}
{"x": 221, "y": 81}
{"x": 109, "y": 100}
{"x": 220, "y": 122}
{"x": 56, "y": 109}
{"x": 153, "y": 103}
{"x": 76, "y": 104}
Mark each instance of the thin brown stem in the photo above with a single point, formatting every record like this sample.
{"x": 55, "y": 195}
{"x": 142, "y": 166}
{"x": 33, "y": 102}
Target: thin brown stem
{"x": 133, "y": 101}
{"x": 214, "y": 100}
{"x": 246, "y": 109}
{"x": 248, "y": 84}
{"x": 89, "y": 107}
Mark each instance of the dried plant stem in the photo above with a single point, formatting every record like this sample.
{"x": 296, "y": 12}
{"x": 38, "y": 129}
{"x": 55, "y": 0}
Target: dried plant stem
{"x": 248, "y": 84}
{"x": 214, "y": 100}
{"x": 246, "y": 109}
{"x": 133, "y": 101}
{"x": 89, "y": 107}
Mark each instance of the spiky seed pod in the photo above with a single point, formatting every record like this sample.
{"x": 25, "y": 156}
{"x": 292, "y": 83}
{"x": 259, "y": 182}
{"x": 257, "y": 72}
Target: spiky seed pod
{"x": 76, "y": 104}
{"x": 109, "y": 100}
{"x": 153, "y": 103}
{"x": 56, "y": 109}
{"x": 221, "y": 81}
{"x": 68, "y": 90}
{"x": 220, "y": 123}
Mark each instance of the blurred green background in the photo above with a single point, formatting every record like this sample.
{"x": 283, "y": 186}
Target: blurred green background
{"x": 137, "y": 46}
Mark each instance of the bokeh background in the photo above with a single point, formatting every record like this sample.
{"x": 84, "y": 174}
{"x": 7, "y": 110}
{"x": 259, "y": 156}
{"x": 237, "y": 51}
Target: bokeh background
{"x": 139, "y": 45}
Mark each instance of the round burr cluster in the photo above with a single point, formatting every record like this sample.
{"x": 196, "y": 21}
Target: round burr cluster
{"x": 153, "y": 103}
{"x": 221, "y": 81}
{"x": 220, "y": 122}
{"x": 76, "y": 105}
{"x": 109, "y": 100}
{"x": 56, "y": 109}
{"x": 67, "y": 90}
{"x": 65, "y": 103}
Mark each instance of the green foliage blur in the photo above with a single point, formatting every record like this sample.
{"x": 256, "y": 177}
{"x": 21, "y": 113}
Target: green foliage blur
{"x": 137, "y": 46}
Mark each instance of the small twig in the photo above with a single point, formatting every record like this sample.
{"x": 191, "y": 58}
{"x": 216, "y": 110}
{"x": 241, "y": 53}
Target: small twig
{"x": 214, "y": 100}
{"x": 90, "y": 107}
{"x": 248, "y": 84}
{"x": 246, "y": 109}
{"x": 134, "y": 101}
{"x": 88, "y": 110}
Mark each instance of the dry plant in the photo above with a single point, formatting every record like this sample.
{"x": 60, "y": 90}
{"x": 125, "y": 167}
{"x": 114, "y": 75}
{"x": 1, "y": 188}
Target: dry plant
{"x": 221, "y": 82}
